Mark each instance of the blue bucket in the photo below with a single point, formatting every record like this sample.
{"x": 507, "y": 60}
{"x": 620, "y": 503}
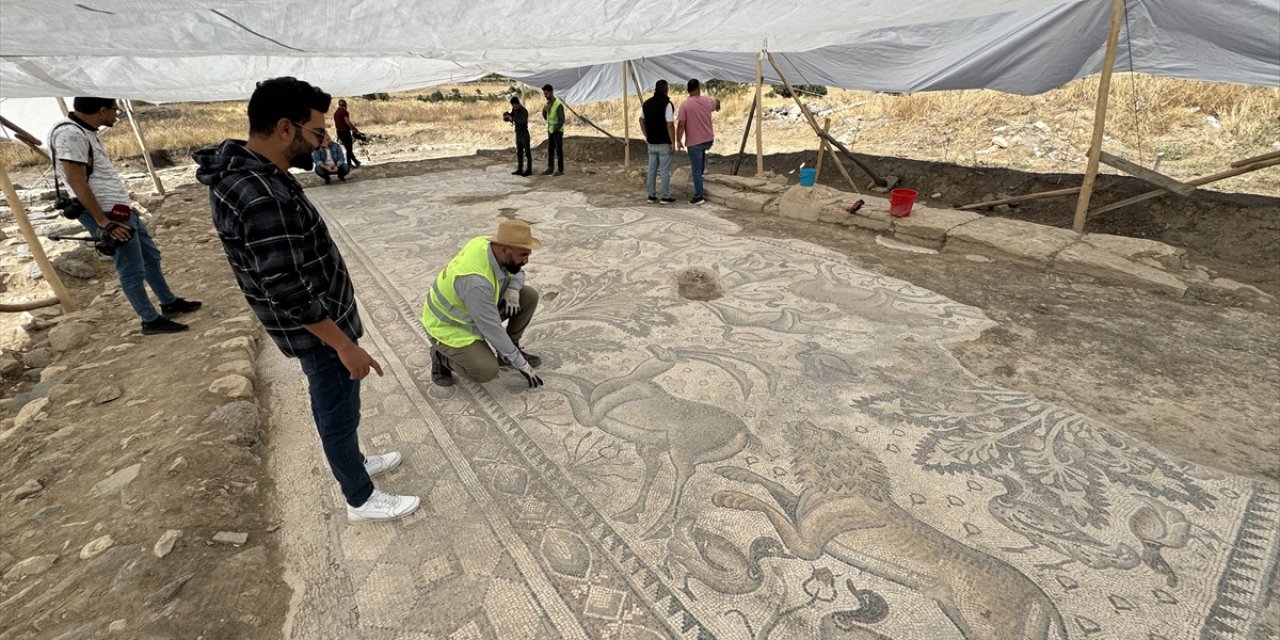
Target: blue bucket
{"x": 808, "y": 176}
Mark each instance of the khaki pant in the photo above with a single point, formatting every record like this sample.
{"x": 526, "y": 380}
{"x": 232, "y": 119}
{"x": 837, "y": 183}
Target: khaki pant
{"x": 477, "y": 361}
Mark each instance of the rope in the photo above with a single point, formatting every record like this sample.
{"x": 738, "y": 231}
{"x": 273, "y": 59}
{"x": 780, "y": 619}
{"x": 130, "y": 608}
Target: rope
{"x": 1133, "y": 87}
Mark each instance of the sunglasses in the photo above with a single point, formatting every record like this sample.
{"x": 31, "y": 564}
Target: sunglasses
{"x": 320, "y": 133}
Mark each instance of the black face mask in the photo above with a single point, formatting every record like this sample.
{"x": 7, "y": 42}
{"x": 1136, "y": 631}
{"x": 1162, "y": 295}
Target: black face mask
{"x": 299, "y": 154}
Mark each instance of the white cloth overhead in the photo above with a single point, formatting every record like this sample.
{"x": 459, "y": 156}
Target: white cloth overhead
{"x": 1026, "y": 52}
{"x": 170, "y": 50}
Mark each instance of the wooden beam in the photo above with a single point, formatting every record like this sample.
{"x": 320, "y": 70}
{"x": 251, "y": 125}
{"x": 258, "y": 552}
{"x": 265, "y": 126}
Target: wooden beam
{"x": 1265, "y": 156}
{"x": 746, "y": 133}
{"x": 626, "y": 117}
{"x": 588, "y": 121}
{"x": 33, "y": 242}
{"x": 1145, "y": 174}
{"x": 813, "y": 122}
{"x": 1024, "y": 198}
{"x": 31, "y": 141}
{"x": 14, "y": 307}
{"x": 1099, "y": 116}
{"x": 62, "y": 104}
{"x": 142, "y": 143}
{"x": 759, "y": 110}
{"x": 1230, "y": 173}
{"x": 822, "y": 150}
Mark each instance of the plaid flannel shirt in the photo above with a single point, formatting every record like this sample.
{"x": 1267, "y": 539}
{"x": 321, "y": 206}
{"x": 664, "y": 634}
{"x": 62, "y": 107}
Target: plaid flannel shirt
{"x": 278, "y": 246}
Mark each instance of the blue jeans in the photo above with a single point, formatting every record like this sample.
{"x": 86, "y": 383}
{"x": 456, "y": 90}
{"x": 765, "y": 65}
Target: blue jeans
{"x": 660, "y": 161}
{"x": 698, "y": 164}
{"x": 343, "y": 170}
{"x": 137, "y": 261}
{"x": 335, "y": 406}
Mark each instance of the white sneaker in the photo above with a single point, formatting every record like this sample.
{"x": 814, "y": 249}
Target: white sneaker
{"x": 383, "y": 506}
{"x": 380, "y": 464}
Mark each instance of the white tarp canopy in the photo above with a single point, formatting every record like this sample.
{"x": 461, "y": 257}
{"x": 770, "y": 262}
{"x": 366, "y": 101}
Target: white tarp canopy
{"x": 171, "y": 50}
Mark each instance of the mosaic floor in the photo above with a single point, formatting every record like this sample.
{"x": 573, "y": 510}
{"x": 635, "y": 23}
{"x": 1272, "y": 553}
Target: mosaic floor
{"x": 800, "y": 458}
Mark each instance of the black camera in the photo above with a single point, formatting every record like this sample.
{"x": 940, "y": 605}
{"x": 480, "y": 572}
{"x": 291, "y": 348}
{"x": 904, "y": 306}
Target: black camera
{"x": 70, "y": 207}
{"x": 106, "y": 244}
{"x": 506, "y": 116}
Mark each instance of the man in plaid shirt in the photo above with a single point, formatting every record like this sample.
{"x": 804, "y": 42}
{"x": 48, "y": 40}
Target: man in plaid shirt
{"x": 294, "y": 278}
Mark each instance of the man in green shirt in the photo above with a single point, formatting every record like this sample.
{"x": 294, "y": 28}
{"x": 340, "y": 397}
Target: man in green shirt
{"x": 554, "y": 114}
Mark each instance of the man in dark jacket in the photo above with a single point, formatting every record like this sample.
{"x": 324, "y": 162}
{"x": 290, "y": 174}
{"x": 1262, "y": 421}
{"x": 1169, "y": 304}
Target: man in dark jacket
{"x": 519, "y": 116}
{"x": 295, "y": 280}
{"x": 658, "y": 120}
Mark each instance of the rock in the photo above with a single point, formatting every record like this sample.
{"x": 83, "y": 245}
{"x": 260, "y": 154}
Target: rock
{"x": 30, "y": 413}
{"x": 807, "y": 203}
{"x": 52, "y": 373}
{"x": 34, "y": 272}
{"x": 999, "y": 141}
{"x": 32, "y": 566}
{"x": 232, "y": 386}
{"x": 178, "y": 465}
{"x": 9, "y": 365}
{"x": 96, "y": 547}
{"x": 242, "y": 417}
{"x": 1039, "y": 124}
{"x": 1087, "y": 259}
{"x": 742, "y": 183}
{"x": 973, "y": 257}
{"x": 935, "y": 195}
{"x": 930, "y": 225}
{"x": 1026, "y": 242}
{"x": 164, "y": 546}
{"x": 39, "y": 358}
{"x": 32, "y": 375}
{"x": 41, "y": 390}
{"x": 116, "y": 482}
{"x": 238, "y": 367}
{"x": 107, "y": 394}
{"x": 750, "y": 201}
{"x": 118, "y": 626}
{"x": 1240, "y": 288}
{"x": 69, "y": 335}
{"x": 62, "y": 393}
{"x": 75, "y": 268}
{"x": 1132, "y": 248}
{"x": 28, "y": 489}
{"x": 231, "y": 537}
{"x": 168, "y": 592}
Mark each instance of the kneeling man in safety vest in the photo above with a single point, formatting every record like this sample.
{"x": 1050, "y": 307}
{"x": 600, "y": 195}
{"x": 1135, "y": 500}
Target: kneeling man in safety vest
{"x": 480, "y": 288}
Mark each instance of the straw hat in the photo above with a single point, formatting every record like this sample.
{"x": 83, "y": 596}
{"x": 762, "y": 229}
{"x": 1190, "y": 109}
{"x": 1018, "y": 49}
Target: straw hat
{"x": 516, "y": 233}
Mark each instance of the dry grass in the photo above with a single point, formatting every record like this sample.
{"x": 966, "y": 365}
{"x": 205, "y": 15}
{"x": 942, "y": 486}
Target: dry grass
{"x": 1199, "y": 127}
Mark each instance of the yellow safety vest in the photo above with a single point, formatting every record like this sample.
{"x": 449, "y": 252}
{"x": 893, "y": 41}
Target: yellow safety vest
{"x": 444, "y": 315}
{"x": 555, "y": 122}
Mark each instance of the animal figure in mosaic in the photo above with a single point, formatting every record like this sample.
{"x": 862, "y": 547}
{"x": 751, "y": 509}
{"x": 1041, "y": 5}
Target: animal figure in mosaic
{"x": 846, "y": 509}
{"x": 871, "y": 301}
{"x": 1043, "y": 527}
{"x": 665, "y": 428}
{"x": 713, "y": 560}
{"x": 1159, "y": 526}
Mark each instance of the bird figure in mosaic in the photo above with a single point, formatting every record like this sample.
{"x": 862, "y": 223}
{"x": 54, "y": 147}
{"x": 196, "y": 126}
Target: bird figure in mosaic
{"x": 1043, "y": 527}
{"x": 713, "y": 560}
{"x": 1158, "y": 527}
{"x": 845, "y": 508}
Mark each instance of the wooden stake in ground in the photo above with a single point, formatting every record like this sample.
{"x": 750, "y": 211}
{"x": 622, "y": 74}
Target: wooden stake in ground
{"x": 813, "y": 122}
{"x": 1230, "y": 173}
{"x": 746, "y": 133}
{"x": 822, "y": 150}
{"x": 62, "y": 104}
{"x": 758, "y": 106}
{"x": 31, "y": 141}
{"x": 1145, "y": 174}
{"x": 33, "y": 241}
{"x": 1099, "y": 116}
{"x": 589, "y": 122}
{"x": 146, "y": 155}
{"x": 626, "y": 118}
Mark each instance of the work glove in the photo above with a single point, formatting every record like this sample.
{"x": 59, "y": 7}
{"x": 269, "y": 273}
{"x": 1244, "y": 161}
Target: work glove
{"x": 511, "y": 302}
{"x": 529, "y": 376}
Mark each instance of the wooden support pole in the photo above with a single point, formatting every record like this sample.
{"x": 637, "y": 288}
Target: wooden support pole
{"x": 142, "y": 143}
{"x": 1025, "y": 198}
{"x": 589, "y": 122}
{"x": 31, "y": 141}
{"x": 1265, "y": 156}
{"x": 33, "y": 241}
{"x": 759, "y": 112}
{"x": 14, "y": 307}
{"x": 1230, "y": 173}
{"x": 822, "y": 150}
{"x": 746, "y": 133}
{"x": 62, "y": 104}
{"x": 1099, "y": 116}
{"x": 635, "y": 79}
{"x": 626, "y": 117}
{"x": 813, "y": 122}
{"x": 1145, "y": 174}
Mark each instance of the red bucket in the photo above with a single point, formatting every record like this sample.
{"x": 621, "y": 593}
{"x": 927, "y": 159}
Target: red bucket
{"x": 900, "y": 201}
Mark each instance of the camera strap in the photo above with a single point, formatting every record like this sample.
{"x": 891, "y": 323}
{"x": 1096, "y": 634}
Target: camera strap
{"x": 57, "y": 186}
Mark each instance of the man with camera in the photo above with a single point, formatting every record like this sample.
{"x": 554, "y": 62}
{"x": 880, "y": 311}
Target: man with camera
{"x": 102, "y": 206}
{"x": 478, "y": 290}
{"x": 347, "y": 131}
{"x": 519, "y": 116}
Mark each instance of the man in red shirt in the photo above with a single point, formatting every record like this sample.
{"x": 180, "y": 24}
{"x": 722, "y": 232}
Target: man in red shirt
{"x": 695, "y": 133}
{"x": 342, "y": 123}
